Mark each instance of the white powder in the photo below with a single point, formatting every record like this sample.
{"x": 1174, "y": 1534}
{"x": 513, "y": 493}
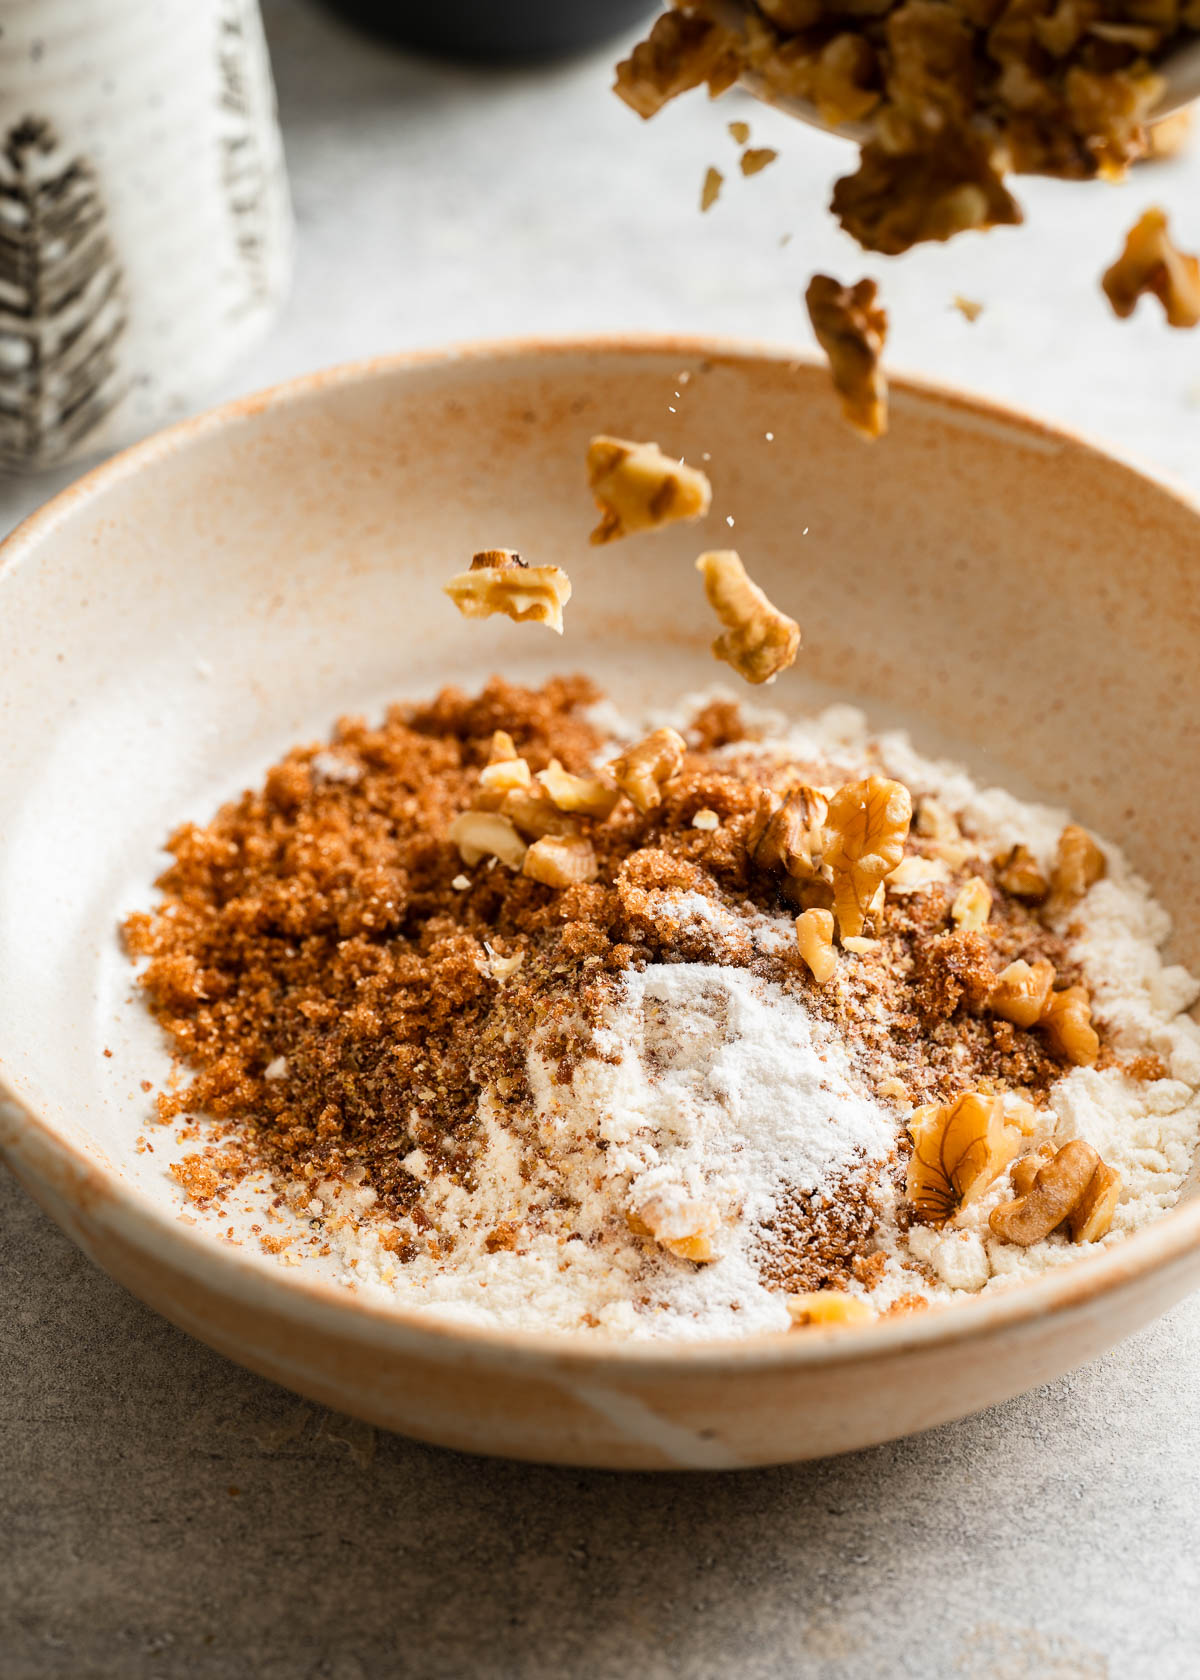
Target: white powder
{"x": 721, "y": 1089}
{"x": 709, "y": 1088}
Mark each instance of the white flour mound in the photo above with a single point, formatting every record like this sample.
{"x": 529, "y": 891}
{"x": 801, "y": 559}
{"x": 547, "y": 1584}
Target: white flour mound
{"x": 705, "y": 1084}
{"x": 714, "y": 1087}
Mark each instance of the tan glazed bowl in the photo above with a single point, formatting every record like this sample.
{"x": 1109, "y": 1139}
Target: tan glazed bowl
{"x": 187, "y": 611}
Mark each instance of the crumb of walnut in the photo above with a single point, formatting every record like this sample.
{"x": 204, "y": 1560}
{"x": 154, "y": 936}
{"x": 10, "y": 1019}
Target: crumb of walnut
{"x": 1152, "y": 264}
{"x": 684, "y": 1228}
{"x": 710, "y": 190}
{"x": 828, "y": 1306}
{"x": 756, "y": 158}
{"x": 759, "y": 641}
{"x": 851, "y": 328}
{"x": 499, "y": 581}
{"x": 638, "y": 488}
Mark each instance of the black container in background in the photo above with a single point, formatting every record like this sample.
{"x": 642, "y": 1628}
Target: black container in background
{"x": 497, "y": 30}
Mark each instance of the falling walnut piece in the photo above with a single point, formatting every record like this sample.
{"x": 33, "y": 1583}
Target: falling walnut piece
{"x": 756, "y": 158}
{"x": 959, "y": 1149}
{"x": 499, "y": 581}
{"x": 680, "y": 52}
{"x": 867, "y": 825}
{"x": 638, "y": 488}
{"x": 1151, "y": 263}
{"x": 824, "y": 1307}
{"x": 967, "y": 307}
{"x": 710, "y": 191}
{"x": 851, "y": 330}
{"x": 739, "y": 132}
{"x": 1075, "y": 1186}
{"x": 642, "y": 772}
{"x": 561, "y": 860}
{"x": 814, "y": 936}
{"x": 759, "y": 641}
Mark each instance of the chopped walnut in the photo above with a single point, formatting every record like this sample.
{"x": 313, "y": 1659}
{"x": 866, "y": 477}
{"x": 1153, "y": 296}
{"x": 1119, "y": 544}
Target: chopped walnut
{"x": 561, "y": 860}
{"x": 1021, "y": 992}
{"x": 638, "y": 488}
{"x": 1075, "y": 1186}
{"x": 1026, "y": 1168}
{"x": 1151, "y": 263}
{"x": 684, "y": 1228}
{"x": 642, "y": 772}
{"x": 739, "y": 132}
{"x": 922, "y": 186}
{"x": 867, "y": 825}
{"x": 759, "y": 641}
{"x": 959, "y": 1149}
{"x": 814, "y": 936}
{"x": 968, "y": 308}
{"x": 1017, "y": 872}
{"x": 710, "y": 191}
{"x": 1169, "y": 137}
{"x": 793, "y": 835}
{"x": 828, "y": 1306}
{"x": 499, "y": 581}
{"x": 587, "y": 795}
{"x": 535, "y": 814}
{"x": 1078, "y": 865}
{"x": 914, "y": 874}
{"x": 505, "y": 774}
{"x": 972, "y": 905}
{"x": 707, "y": 821}
{"x": 682, "y": 51}
{"x": 851, "y": 330}
{"x": 1066, "y": 1019}
{"x": 756, "y": 158}
{"x": 480, "y": 834}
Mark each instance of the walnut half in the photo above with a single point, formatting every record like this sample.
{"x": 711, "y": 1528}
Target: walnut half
{"x": 642, "y": 772}
{"x": 1075, "y": 1186}
{"x": 1152, "y": 263}
{"x": 758, "y": 640}
{"x": 499, "y": 581}
{"x": 866, "y": 827}
{"x": 851, "y": 328}
{"x": 959, "y": 1148}
{"x": 638, "y": 488}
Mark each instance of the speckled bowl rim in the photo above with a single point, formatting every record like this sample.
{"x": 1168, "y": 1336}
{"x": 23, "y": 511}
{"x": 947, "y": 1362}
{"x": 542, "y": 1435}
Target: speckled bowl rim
{"x": 79, "y": 1178}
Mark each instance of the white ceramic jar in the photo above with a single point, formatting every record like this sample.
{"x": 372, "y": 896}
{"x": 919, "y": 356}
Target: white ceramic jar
{"x": 145, "y": 231}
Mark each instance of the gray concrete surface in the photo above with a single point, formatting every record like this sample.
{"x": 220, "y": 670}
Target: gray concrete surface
{"x": 164, "y": 1514}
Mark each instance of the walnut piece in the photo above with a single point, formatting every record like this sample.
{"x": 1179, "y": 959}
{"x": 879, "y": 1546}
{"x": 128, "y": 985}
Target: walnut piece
{"x": 710, "y": 191}
{"x": 1017, "y": 872}
{"x": 1026, "y": 1168}
{"x": 922, "y": 185}
{"x": 1066, "y": 1019}
{"x": 759, "y": 641}
{"x": 972, "y": 905}
{"x": 682, "y": 51}
{"x": 1075, "y": 1185}
{"x": 959, "y": 1149}
{"x": 914, "y": 874}
{"x": 589, "y": 796}
{"x": 756, "y": 158}
{"x": 684, "y": 1228}
{"x": 814, "y": 935}
{"x": 505, "y": 774}
{"x": 851, "y": 329}
{"x": 828, "y": 1306}
{"x": 638, "y": 488}
{"x": 535, "y": 814}
{"x": 480, "y": 834}
{"x": 866, "y": 828}
{"x": 1152, "y": 263}
{"x": 1078, "y": 865}
{"x": 642, "y": 772}
{"x": 793, "y": 835}
{"x": 1022, "y": 991}
{"x": 499, "y": 581}
{"x": 561, "y": 860}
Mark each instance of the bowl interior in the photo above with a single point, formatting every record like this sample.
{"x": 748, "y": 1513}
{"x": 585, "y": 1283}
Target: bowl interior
{"x": 1014, "y": 597}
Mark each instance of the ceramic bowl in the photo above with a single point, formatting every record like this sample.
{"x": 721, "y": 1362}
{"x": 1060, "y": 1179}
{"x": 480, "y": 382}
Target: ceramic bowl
{"x": 193, "y": 607}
